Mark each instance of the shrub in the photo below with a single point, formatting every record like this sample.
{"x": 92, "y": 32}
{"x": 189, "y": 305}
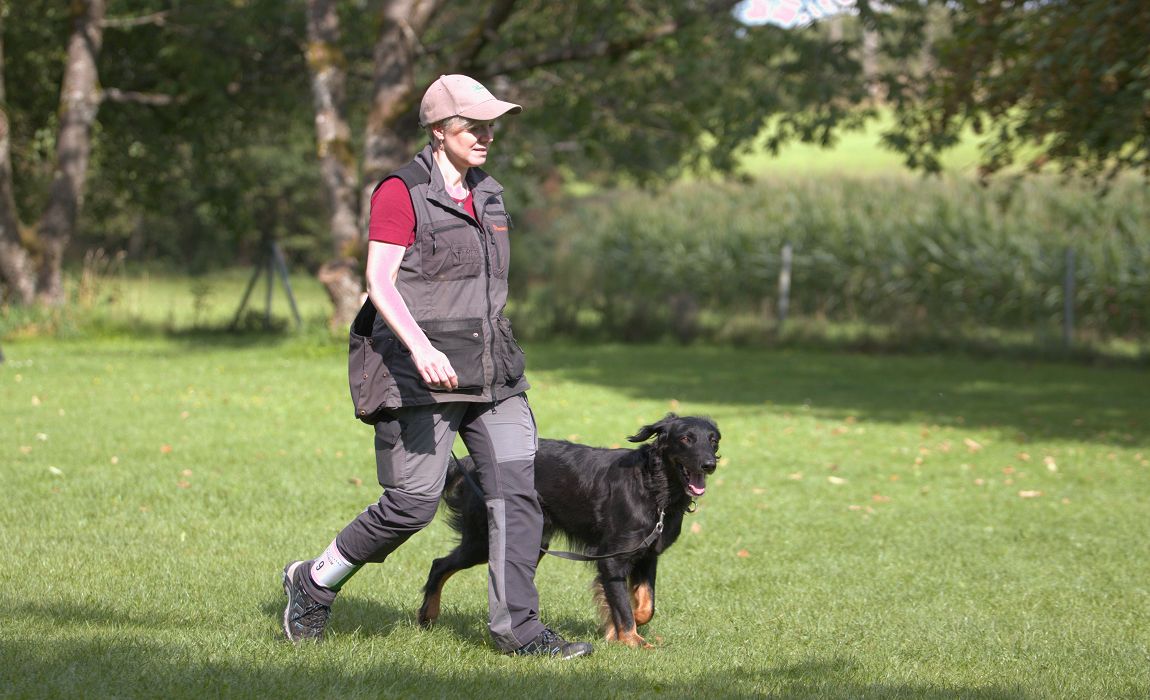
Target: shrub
{"x": 909, "y": 253}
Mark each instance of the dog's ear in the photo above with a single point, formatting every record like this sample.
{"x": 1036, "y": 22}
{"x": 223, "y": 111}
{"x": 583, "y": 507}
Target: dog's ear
{"x": 647, "y": 431}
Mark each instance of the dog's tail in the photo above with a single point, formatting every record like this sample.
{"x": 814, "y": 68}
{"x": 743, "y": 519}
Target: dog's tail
{"x": 454, "y": 483}
{"x": 461, "y": 492}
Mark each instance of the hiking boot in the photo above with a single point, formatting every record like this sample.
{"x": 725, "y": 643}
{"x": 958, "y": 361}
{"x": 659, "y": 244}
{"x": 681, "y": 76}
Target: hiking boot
{"x": 304, "y": 618}
{"x": 550, "y": 644}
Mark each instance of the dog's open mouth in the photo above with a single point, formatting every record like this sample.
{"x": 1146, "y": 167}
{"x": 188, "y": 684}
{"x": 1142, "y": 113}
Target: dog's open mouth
{"x": 696, "y": 483}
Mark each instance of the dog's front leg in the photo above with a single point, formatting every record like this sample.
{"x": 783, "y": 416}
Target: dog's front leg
{"x": 642, "y": 582}
{"x": 619, "y": 618}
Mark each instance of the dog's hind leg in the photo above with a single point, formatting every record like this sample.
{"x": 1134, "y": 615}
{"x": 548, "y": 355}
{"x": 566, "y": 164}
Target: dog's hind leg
{"x": 462, "y": 557}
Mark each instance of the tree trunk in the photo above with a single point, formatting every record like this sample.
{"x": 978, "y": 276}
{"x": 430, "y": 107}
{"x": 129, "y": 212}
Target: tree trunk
{"x": 16, "y": 271}
{"x": 328, "y": 68}
{"x": 79, "y": 102}
{"x": 393, "y": 88}
{"x": 392, "y": 96}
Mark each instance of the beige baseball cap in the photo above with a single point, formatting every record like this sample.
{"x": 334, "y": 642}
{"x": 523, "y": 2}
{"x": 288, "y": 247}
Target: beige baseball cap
{"x": 459, "y": 95}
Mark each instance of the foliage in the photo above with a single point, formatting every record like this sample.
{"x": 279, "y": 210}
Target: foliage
{"x": 690, "y": 99}
{"x": 1061, "y": 83}
{"x": 915, "y": 254}
{"x": 878, "y": 527}
{"x": 223, "y": 153}
{"x": 615, "y": 92}
{"x": 222, "y": 159}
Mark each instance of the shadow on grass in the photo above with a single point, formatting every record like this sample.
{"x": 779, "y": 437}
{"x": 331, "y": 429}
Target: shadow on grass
{"x": 353, "y": 614}
{"x": 1032, "y": 400}
{"x": 111, "y": 668}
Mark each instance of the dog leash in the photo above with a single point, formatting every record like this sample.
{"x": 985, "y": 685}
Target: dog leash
{"x": 577, "y": 556}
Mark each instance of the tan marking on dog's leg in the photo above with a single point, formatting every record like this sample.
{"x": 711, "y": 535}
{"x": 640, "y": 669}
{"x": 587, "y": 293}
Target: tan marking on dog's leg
{"x": 430, "y": 611}
{"x": 642, "y": 604}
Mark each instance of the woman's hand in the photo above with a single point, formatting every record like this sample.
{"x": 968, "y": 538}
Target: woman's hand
{"x": 435, "y": 368}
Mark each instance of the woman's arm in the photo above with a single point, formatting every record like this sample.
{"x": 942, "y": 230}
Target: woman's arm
{"x": 382, "y": 268}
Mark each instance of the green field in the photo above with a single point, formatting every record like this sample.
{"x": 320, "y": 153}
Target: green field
{"x": 879, "y": 527}
{"x": 857, "y": 153}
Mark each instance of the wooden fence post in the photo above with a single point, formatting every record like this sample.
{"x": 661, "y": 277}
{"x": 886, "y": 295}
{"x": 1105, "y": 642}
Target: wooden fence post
{"x": 785, "y": 285}
{"x": 1068, "y": 301}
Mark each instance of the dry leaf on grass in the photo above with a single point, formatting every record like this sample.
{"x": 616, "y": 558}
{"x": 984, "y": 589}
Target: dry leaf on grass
{"x": 1029, "y": 494}
{"x": 743, "y": 554}
{"x": 696, "y": 528}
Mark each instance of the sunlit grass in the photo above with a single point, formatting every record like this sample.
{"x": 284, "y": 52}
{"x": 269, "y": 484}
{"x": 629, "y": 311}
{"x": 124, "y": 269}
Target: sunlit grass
{"x": 878, "y": 527}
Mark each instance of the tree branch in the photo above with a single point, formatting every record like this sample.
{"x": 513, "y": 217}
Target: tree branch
{"x": 596, "y": 49}
{"x": 142, "y": 98}
{"x": 482, "y": 34}
{"x": 156, "y": 18}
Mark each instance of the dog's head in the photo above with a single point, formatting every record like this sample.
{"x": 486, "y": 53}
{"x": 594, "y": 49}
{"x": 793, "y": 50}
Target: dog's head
{"x": 688, "y": 445}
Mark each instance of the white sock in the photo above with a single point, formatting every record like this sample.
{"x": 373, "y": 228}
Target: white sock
{"x": 331, "y": 569}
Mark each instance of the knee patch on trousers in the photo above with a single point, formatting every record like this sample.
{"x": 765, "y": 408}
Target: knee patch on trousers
{"x": 382, "y": 527}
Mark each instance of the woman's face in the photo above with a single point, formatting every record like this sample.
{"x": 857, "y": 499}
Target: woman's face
{"x": 466, "y": 144}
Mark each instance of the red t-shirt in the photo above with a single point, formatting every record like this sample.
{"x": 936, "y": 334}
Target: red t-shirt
{"x": 392, "y": 218}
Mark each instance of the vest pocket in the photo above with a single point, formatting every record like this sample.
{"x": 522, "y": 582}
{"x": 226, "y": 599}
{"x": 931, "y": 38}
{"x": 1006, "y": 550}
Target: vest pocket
{"x": 512, "y": 359}
{"x": 450, "y": 252}
{"x": 370, "y": 373}
{"x": 498, "y": 223}
{"x": 462, "y": 341}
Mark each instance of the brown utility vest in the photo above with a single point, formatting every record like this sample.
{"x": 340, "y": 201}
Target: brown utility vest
{"x": 454, "y": 281}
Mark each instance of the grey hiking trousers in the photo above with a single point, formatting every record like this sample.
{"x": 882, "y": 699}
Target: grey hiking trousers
{"x": 412, "y": 452}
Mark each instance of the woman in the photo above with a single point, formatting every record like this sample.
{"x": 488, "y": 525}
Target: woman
{"x": 437, "y": 275}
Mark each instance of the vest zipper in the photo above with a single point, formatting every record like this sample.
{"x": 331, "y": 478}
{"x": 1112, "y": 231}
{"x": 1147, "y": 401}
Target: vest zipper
{"x": 483, "y": 233}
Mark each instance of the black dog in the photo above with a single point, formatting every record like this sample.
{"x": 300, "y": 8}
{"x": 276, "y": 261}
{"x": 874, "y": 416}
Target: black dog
{"x": 610, "y": 501}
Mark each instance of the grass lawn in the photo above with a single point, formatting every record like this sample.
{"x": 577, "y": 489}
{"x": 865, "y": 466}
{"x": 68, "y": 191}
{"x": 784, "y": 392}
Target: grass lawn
{"x": 878, "y": 527}
{"x": 857, "y": 153}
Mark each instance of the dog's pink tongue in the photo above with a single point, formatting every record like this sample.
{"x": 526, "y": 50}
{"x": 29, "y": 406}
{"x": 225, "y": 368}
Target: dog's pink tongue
{"x": 697, "y": 485}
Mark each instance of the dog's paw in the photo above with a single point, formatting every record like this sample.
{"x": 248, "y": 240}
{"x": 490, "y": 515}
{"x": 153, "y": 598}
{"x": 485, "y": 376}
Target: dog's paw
{"x": 428, "y": 616}
{"x": 630, "y": 637}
